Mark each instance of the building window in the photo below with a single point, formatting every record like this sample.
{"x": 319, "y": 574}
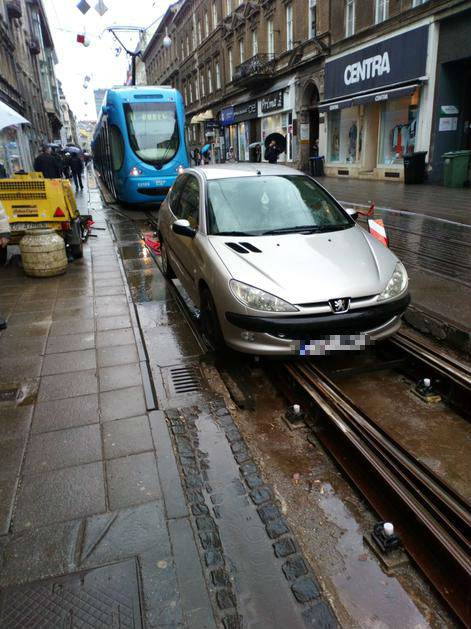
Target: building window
{"x": 206, "y": 24}
{"x": 343, "y": 135}
{"x": 417, "y": 3}
{"x": 228, "y": 7}
{"x": 312, "y": 18}
{"x": 182, "y": 49}
{"x": 398, "y": 130}
{"x": 202, "y": 85}
{"x": 349, "y": 17}
{"x": 241, "y": 51}
{"x": 381, "y": 10}
{"x": 215, "y": 15}
{"x": 289, "y": 26}
{"x": 254, "y": 43}
{"x": 210, "y": 82}
{"x": 187, "y": 45}
{"x": 193, "y": 38}
{"x": 270, "y": 38}
{"x": 198, "y": 31}
{"x": 197, "y": 89}
{"x": 218, "y": 76}
{"x": 190, "y": 86}
{"x": 230, "y": 61}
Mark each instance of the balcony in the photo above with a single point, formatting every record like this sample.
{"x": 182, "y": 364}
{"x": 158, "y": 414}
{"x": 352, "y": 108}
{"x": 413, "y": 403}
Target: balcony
{"x": 258, "y": 68}
{"x": 14, "y": 9}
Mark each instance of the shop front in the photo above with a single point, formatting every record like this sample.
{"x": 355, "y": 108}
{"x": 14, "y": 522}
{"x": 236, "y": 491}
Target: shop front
{"x": 276, "y": 115}
{"x": 240, "y": 127}
{"x": 373, "y": 108}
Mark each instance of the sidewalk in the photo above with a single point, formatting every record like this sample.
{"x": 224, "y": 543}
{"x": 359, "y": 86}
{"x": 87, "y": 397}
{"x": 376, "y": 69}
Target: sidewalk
{"x": 429, "y": 228}
{"x": 114, "y": 513}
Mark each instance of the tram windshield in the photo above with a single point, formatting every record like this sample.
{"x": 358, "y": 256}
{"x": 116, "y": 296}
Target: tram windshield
{"x": 153, "y": 131}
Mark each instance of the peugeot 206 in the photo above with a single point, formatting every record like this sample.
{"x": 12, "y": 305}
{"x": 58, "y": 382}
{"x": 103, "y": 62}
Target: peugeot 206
{"x": 275, "y": 264}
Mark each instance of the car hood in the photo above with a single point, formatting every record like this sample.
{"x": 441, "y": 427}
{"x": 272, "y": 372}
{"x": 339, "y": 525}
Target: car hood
{"x": 310, "y": 268}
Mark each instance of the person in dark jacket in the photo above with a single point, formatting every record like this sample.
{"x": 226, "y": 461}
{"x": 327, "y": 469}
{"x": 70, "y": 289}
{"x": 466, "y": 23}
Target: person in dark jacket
{"x": 76, "y": 166}
{"x": 272, "y": 153}
{"x": 46, "y": 164}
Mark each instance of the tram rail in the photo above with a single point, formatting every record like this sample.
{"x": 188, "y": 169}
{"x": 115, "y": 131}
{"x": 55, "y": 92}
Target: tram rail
{"x": 432, "y": 520}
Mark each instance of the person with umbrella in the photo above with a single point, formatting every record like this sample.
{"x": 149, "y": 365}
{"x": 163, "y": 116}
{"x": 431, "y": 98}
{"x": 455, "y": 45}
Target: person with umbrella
{"x": 76, "y": 166}
{"x": 206, "y": 153}
{"x": 46, "y": 164}
{"x": 272, "y": 152}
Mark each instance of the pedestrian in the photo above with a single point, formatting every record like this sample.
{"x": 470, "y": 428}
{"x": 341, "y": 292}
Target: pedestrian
{"x": 272, "y": 152}
{"x": 197, "y": 157}
{"x": 4, "y": 237}
{"x": 230, "y": 155}
{"x": 60, "y": 166}
{"x": 258, "y": 153}
{"x": 76, "y": 165}
{"x": 46, "y": 164}
{"x": 66, "y": 167}
{"x": 3, "y": 172}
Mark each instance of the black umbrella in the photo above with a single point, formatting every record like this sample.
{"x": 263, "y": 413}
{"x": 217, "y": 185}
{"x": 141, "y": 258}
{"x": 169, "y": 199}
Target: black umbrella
{"x": 280, "y": 141}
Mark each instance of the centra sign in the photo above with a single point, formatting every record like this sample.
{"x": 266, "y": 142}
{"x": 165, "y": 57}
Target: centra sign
{"x": 368, "y": 68}
{"x": 395, "y": 60}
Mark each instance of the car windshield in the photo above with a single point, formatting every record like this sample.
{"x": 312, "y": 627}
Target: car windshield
{"x": 153, "y": 131}
{"x": 271, "y": 205}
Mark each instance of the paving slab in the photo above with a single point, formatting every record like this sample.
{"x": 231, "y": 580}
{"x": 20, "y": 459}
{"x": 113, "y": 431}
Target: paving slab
{"x": 70, "y": 343}
{"x": 60, "y": 495}
{"x": 119, "y": 377}
{"x": 123, "y": 437}
{"x": 113, "y": 323}
{"x": 68, "y": 362}
{"x": 114, "y": 338}
{"x": 66, "y": 385}
{"x": 120, "y": 355}
{"x": 58, "y": 414}
{"x": 122, "y": 403}
{"x": 132, "y": 480}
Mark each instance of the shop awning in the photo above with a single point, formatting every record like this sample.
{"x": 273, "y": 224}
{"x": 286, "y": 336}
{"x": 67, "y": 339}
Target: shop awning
{"x": 336, "y": 104}
{"x": 376, "y": 97}
{"x": 370, "y": 97}
{"x": 196, "y": 119}
{"x": 9, "y": 116}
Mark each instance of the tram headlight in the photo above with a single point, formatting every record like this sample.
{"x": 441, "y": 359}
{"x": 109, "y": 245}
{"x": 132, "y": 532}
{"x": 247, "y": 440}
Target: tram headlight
{"x": 135, "y": 171}
{"x": 180, "y": 169}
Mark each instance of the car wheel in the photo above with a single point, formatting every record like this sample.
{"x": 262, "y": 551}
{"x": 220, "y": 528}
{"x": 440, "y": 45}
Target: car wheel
{"x": 166, "y": 266}
{"x": 210, "y": 327}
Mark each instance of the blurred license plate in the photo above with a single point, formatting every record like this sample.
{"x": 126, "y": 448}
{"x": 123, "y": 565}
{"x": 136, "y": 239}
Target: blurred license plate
{"x": 334, "y": 343}
{"x": 20, "y": 227}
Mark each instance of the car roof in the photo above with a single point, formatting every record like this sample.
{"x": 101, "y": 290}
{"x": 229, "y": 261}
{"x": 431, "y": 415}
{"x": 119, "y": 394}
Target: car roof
{"x": 246, "y": 169}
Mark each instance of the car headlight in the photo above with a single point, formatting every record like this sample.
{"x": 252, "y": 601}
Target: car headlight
{"x": 396, "y": 285}
{"x": 259, "y": 299}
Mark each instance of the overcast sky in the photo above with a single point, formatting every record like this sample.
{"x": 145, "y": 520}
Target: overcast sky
{"x": 99, "y": 60}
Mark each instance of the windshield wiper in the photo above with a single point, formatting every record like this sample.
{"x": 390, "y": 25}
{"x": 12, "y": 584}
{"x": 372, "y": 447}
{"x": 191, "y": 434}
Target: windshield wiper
{"x": 305, "y": 229}
{"x": 234, "y": 233}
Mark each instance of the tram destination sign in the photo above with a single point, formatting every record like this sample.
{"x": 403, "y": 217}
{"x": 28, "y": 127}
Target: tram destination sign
{"x": 394, "y": 60}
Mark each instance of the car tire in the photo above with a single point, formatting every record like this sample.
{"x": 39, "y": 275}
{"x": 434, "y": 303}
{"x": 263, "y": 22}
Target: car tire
{"x": 167, "y": 270}
{"x": 210, "y": 326}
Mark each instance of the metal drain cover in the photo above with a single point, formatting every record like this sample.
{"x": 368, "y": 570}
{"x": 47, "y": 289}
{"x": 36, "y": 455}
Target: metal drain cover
{"x": 102, "y": 598}
{"x": 184, "y": 379}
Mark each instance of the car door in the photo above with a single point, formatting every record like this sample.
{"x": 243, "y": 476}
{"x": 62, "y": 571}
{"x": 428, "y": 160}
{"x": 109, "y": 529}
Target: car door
{"x": 184, "y": 246}
{"x": 169, "y": 212}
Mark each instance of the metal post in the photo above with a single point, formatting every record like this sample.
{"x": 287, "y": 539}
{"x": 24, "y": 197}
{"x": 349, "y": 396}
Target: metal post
{"x": 133, "y": 69}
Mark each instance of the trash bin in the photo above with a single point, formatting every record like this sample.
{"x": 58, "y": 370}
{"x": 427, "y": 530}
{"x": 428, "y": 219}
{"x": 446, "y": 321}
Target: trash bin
{"x": 317, "y": 166}
{"x": 456, "y": 165}
{"x": 414, "y": 167}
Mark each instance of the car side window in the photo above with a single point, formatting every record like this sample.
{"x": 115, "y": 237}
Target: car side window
{"x": 190, "y": 202}
{"x": 174, "y": 195}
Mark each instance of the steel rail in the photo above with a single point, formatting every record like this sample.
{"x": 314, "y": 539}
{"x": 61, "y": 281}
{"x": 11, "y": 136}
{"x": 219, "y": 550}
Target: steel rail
{"x": 432, "y": 520}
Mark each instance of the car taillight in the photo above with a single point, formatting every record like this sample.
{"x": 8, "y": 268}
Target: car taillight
{"x": 58, "y": 213}
{"x": 65, "y": 226}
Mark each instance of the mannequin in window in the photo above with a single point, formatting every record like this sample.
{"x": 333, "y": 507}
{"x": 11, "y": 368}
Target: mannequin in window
{"x": 352, "y": 142}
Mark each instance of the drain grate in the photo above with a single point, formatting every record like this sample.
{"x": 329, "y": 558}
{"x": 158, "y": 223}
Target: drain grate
{"x": 185, "y": 379}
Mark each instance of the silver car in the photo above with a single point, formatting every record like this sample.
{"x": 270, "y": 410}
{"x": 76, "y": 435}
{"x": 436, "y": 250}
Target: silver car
{"x": 275, "y": 264}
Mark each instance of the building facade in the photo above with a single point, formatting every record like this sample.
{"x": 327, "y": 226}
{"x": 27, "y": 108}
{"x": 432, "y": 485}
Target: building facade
{"x": 360, "y": 82}
{"x": 246, "y": 70}
{"x": 27, "y": 82}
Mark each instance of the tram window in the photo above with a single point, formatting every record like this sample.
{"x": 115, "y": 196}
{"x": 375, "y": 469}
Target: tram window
{"x": 153, "y": 131}
{"x": 190, "y": 202}
{"x": 175, "y": 194}
{"x": 117, "y": 147}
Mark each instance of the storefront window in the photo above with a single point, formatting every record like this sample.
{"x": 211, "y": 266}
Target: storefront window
{"x": 398, "y": 131}
{"x": 343, "y": 135}
{"x": 10, "y": 154}
{"x": 243, "y": 144}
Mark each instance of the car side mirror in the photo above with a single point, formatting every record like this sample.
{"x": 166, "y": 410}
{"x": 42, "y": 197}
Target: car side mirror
{"x": 352, "y": 213}
{"x": 182, "y": 227}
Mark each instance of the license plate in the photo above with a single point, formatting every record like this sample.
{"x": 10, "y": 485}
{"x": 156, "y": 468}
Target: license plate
{"x": 334, "y": 343}
{"x": 160, "y": 182}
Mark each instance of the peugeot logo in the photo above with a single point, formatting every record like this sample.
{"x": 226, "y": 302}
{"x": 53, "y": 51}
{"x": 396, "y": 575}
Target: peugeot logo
{"x": 342, "y": 304}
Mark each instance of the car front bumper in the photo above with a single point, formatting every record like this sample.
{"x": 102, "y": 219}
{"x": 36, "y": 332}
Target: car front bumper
{"x": 282, "y": 335}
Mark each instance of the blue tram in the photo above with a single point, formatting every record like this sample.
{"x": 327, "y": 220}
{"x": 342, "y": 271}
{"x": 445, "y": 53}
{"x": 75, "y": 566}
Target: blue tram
{"x": 139, "y": 142}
